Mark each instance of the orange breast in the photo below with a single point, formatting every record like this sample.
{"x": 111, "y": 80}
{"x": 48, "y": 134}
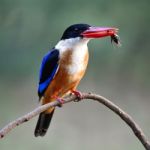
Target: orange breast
{"x": 63, "y": 81}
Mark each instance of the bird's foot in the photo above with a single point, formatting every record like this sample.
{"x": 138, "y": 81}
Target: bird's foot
{"x": 78, "y": 94}
{"x": 61, "y": 101}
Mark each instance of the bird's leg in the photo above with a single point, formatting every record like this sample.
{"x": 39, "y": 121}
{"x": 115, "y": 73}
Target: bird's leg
{"x": 78, "y": 94}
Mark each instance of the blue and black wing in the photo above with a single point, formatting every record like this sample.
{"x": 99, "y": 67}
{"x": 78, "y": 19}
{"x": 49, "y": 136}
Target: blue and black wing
{"x": 48, "y": 70}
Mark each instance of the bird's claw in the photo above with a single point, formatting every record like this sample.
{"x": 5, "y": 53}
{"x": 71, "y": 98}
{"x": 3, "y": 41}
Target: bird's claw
{"x": 78, "y": 94}
{"x": 61, "y": 101}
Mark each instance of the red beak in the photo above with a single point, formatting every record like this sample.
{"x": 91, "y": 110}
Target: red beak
{"x": 98, "y": 32}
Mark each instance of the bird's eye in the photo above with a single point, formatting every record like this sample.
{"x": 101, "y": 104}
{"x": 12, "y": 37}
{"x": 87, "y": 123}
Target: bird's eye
{"x": 76, "y": 29}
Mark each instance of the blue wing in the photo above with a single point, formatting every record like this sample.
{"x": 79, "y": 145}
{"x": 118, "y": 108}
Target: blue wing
{"x": 48, "y": 70}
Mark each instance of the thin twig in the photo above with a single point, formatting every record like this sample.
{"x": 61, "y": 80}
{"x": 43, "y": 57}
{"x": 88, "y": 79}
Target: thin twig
{"x": 123, "y": 115}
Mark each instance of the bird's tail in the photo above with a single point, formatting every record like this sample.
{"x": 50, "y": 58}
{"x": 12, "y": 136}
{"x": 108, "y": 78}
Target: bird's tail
{"x": 43, "y": 123}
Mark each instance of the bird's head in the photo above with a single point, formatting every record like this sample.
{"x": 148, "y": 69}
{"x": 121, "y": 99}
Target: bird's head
{"x": 82, "y": 33}
{"x": 85, "y": 31}
{"x": 75, "y": 31}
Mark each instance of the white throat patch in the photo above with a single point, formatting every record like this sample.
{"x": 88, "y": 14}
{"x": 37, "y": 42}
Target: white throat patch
{"x": 71, "y": 44}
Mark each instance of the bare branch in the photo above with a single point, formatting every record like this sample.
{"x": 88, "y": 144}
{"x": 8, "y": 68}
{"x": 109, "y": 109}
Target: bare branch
{"x": 123, "y": 115}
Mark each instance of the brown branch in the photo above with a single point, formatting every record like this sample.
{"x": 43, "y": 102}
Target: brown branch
{"x": 123, "y": 115}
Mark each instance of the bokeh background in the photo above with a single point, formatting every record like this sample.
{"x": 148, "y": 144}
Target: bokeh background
{"x": 29, "y": 28}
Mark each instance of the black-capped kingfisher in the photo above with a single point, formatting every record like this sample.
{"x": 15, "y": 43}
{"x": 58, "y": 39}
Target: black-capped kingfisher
{"x": 64, "y": 66}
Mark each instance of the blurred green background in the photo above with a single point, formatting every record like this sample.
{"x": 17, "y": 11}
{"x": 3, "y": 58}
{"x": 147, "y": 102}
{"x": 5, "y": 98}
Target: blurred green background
{"x": 29, "y": 28}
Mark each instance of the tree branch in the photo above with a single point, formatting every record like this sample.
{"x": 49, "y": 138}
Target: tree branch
{"x": 123, "y": 115}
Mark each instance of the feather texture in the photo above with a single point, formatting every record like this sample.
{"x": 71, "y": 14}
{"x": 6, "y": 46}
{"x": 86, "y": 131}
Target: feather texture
{"x": 48, "y": 70}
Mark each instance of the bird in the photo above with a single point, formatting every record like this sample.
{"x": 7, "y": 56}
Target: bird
{"x": 63, "y": 67}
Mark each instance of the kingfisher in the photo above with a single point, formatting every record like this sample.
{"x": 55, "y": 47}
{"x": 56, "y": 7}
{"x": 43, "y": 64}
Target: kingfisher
{"x": 64, "y": 66}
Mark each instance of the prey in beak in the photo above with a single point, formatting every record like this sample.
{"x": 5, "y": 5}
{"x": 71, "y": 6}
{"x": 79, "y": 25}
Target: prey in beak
{"x": 116, "y": 40}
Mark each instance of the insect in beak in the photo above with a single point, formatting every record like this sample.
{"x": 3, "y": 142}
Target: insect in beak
{"x": 115, "y": 39}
